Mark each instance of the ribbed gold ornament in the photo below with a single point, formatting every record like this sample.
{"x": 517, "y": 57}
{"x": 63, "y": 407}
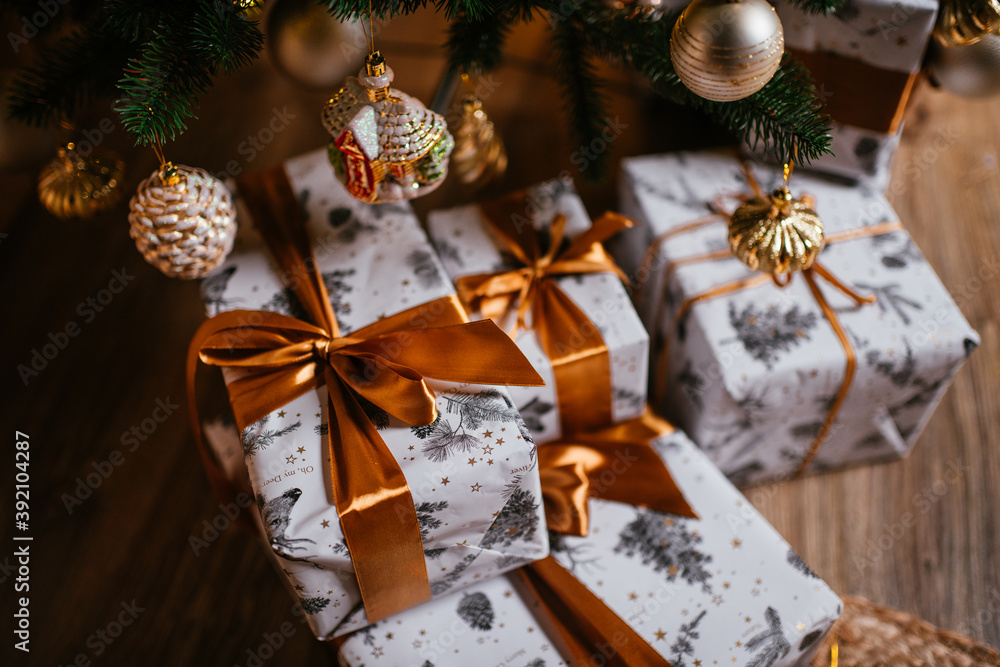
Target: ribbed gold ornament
{"x": 77, "y": 186}
{"x": 479, "y": 157}
{"x": 966, "y": 21}
{"x": 725, "y": 50}
{"x": 776, "y": 234}
{"x": 183, "y": 221}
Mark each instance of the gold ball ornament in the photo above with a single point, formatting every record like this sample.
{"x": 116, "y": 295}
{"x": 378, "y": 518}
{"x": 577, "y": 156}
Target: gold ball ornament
{"x": 776, "y": 234}
{"x": 73, "y": 185}
{"x": 725, "y": 50}
{"x": 970, "y": 70}
{"x": 183, "y": 221}
{"x": 966, "y": 21}
{"x": 386, "y": 146}
{"x": 479, "y": 157}
{"x": 310, "y": 46}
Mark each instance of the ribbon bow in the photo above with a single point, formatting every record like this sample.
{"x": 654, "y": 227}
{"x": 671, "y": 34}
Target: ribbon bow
{"x": 280, "y": 358}
{"x": 615, "y": 463}
{"x": 580, "y": 359}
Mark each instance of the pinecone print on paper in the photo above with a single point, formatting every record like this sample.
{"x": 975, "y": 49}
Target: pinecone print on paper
{"x": 772, "y": 643}
{"x": 518, "y": 520}
{"x": 476, "y": 610}
{"x": 214, "y": 287}
{"x": 663, "y": 541}
{"x": 379, "y": 418}
{"x": 276, "y": 515}
{"x": 348, "y": 225}
{"x": 256, "y": 437}
{"x": 683, "y": 645}
{"x": 766, "y": 334}
{"x": 313, "y": 605}
{"x": 424, "y": 266}
{"x": 796, "y": 561}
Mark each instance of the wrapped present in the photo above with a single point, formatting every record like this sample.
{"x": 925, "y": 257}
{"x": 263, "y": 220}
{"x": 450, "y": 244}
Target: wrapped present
{"x": 864, "y": 59}
{"x": 642, "y": 587}
{"x": 387, "y": 465}
{"x": 769, "y": 376}
{"x": 534, "y": 263}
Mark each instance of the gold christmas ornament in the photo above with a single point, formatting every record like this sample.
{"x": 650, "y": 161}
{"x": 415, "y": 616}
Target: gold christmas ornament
{"x": 776, "y": 234}
{"x": 966, "y": 21}
{"x": 310, "y": 47}
{"x": 386, "y": 145}
{"x": 183, "y": 221}
{"x": 479, "y": 157}
{"x": 970, "y": 70}
{"x": 73, "y": 185}
{"x": 725, "y": 50}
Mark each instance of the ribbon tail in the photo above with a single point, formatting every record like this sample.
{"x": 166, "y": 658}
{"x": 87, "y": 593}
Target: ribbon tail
{"x": 222, "y": 487}
{"x": 376, "y": 510}
{"x": 589, "y": 628}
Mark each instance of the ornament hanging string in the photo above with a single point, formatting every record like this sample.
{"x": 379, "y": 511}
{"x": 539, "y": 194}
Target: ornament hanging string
{"x": 809, "y": 274}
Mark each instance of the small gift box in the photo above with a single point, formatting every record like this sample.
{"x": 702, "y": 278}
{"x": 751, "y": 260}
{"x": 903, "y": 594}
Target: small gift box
{"x": 534, "y": 263}
{"x": 643, "y": 587}
{"x": 387, "y": 466}
{"x": 864, "y": 59}
{"x": 765, "y": 377}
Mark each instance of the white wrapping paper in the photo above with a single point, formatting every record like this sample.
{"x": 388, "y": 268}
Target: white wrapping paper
{"x": 466, "y": 247}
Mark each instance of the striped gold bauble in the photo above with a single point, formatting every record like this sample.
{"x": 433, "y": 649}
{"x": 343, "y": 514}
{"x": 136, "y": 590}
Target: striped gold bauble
{"x": 725, "y": 50}
{"x": 183, "y": 221}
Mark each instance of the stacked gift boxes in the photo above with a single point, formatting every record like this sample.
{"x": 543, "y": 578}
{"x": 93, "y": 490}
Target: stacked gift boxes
{"x": 694, "y": 576}
{"x": 753, "y": 374}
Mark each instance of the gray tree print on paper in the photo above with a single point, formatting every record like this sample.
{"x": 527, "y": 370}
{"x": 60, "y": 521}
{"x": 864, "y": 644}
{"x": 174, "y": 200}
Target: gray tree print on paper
{"x": 683, "y": 645}
{"x": 796, "y": 561}
{"x": 900, "y": 374}
{"x": 664, "y": 542}
{"x": 771, "y": 642}
{"x": 424, "y": 266}
{"x": 446, "y": 582}
{"x": 348, "y": 225}
{"x": 767, "y": 333}
{"x": 314, "y": 605}
{"x": 213, "y": 288}
{"x": 257, "y": 437}
{"x": 337, "y": 287}
{"x": 442, "y": 440}
{"x": 517, "y": 520}
{"x": 889, "y": 297}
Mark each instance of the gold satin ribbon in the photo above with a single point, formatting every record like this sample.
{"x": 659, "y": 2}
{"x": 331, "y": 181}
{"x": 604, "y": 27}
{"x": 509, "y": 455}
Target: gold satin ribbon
{"x": 850, "y": 365}
{"x": 615, "y": 463}
{"x": 581, "y": 363}
{"x": 281, "y": 358}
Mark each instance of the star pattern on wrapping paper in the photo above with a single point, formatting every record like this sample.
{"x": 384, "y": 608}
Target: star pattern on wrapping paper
{"x": 290, "y": 458}
{"x": 499, "y": 441}
{"x": 633, "y": 596}
{"x": 490, "y": 462}
{"x": 476, "y": 487}
{"x": 487, "y": 434}
{"x": 325, "y": 523}
{"x": 472, "y": 461}
{"x": 660, "y": 634}
{"x": 301, "y": 450}
{"x": 281, "y": 413}
{"x": 487, "y": 449}
{"x": 737, "y": 544}
{"x": 445, "y": 481}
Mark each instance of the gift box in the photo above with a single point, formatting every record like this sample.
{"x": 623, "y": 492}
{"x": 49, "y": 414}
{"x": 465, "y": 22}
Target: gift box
{"x": 757, "y": 374}
{"x": 602, "y": 376}
{"x": 864, "y": 59}
{"x": 723, "y": 588}
{"x": 471, "y": 470}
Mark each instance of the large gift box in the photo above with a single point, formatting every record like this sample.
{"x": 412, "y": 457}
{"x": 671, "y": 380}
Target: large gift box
{"x": 864, "y": 59}
{"x": 471, "y": 470}
{"x": 538, "y": 255}
{"x": 720, "y": 589}
{"x": 757, "y": 374}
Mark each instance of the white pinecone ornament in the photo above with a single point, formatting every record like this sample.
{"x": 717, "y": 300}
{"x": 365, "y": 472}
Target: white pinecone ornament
{"x": 183, "y": 221}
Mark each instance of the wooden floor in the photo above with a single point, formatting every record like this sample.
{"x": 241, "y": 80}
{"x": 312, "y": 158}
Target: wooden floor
{"x": 126, "y": 541}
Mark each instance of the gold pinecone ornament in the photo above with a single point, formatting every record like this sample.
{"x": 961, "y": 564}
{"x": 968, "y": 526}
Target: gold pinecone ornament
{"x": 726, "y": 50}
{"x": 480, "y": 157}
{"x": 183, "y": 221}
{"x": 77, "y": 186}
{"x": 385, "y": 146}
{"x": 776, "y": 234}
